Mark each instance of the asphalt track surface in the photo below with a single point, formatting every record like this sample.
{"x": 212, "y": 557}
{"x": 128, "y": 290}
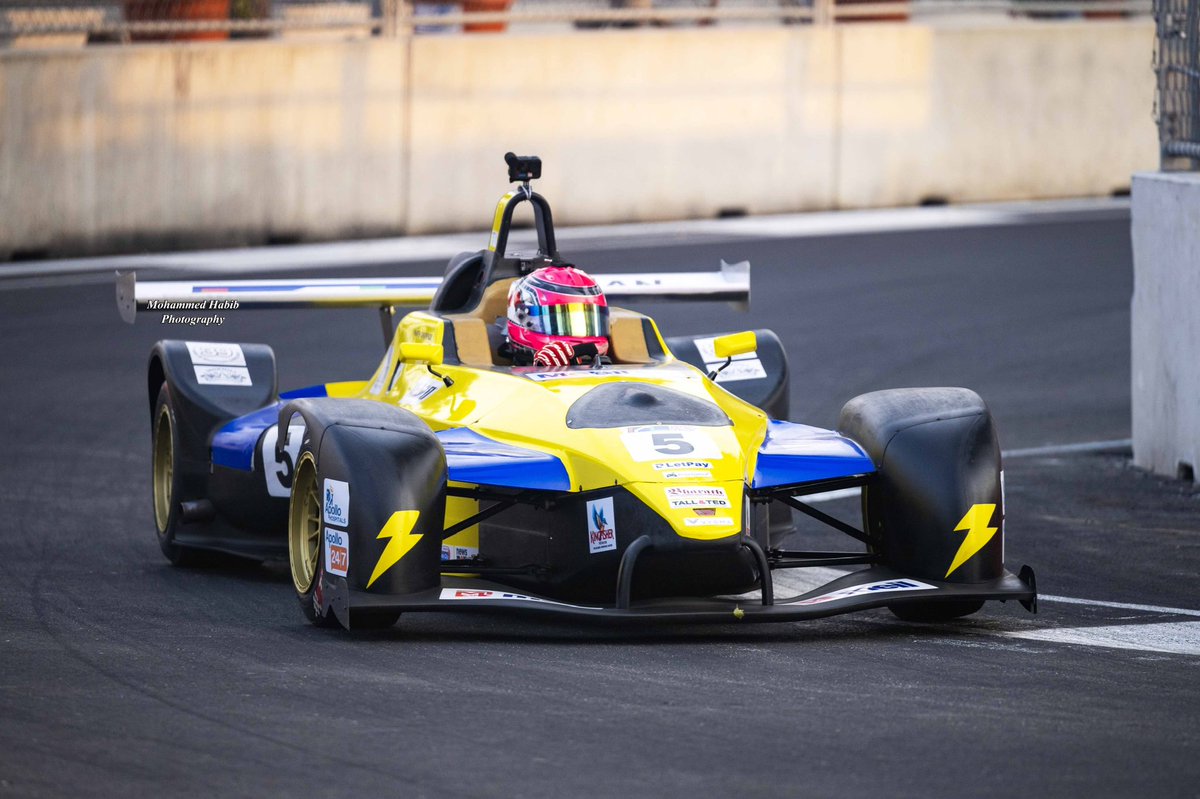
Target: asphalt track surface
{"x": 120, "y": 675}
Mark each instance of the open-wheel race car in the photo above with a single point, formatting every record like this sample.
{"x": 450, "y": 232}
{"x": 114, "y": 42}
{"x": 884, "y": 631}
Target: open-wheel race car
{"x": 656, "y": 482}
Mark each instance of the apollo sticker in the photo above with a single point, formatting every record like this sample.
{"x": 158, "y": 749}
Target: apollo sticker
{"x": 214, "y": 354}
{"x": 223, "y": 375}
{"x": 278, "y": 472}
{"x": 337, "y": 551}
{"x": 337, "y": 503}
{"x": 655, "y": 442}
{"x": 881, "y": 587}
{"x": 602, "y": 529}
{"x": 697, "y": 497}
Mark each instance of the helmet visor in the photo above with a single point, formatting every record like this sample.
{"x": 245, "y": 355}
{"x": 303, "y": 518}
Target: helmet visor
{"x": 574, "y": 319}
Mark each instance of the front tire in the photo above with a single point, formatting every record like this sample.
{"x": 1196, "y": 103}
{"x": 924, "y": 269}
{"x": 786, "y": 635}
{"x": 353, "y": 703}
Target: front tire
{"x": 305, "y": 520}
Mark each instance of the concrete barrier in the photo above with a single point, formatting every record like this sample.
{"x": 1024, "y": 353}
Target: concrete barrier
{"x": 1166, "y": 324}
{"x": 159, "y": 145}
{"x": 112, "y": 148}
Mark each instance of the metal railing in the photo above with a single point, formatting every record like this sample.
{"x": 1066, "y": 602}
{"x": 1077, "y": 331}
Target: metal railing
{"x": 157, "y": 20}
{"x": 1177, "y": 63}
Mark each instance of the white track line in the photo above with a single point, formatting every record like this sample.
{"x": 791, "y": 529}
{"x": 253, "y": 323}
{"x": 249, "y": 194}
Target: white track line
{"x": 1068, "y": 600}
{"x": 1176, "y": 638}
{"x": 1116, "y": 445}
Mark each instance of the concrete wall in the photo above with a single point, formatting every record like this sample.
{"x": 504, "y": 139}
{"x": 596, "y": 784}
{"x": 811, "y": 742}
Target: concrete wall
{"x": 112, "y": 147}
{"x": 107, "y": 147}
{"x": 1166, "y": 322}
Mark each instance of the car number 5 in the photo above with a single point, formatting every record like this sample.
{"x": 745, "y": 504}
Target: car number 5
{"x": 649, "y": 444}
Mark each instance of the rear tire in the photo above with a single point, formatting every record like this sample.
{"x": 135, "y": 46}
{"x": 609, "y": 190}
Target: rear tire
{"x": 165, "y": 479}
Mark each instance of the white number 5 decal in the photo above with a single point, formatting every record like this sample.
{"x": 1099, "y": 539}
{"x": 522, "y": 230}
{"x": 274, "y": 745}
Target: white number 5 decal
{"x": 278, "y": 473}
{"x": 656, "y": 443}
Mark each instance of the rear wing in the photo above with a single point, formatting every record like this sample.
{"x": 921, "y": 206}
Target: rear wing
{"x": 730, "y": 283}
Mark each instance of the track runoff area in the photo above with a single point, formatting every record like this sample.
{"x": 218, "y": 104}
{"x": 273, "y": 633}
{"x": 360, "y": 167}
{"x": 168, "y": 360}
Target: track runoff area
{"x": 1027, "y": 303}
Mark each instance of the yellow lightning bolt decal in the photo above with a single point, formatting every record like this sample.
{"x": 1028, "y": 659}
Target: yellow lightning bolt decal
{"x": 399, "y": 530}
{"x": 975, "y": 522}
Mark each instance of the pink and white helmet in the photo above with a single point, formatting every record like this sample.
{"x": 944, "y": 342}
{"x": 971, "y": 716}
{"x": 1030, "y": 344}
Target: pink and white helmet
{"x": 557, "y": 304}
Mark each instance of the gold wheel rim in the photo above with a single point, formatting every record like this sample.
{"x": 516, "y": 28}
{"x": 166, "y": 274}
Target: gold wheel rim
{"x": 304, "y": 524}
{"x": 164, "y": 468}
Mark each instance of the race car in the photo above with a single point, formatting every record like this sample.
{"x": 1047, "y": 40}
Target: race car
{"x": 654, "y": 484}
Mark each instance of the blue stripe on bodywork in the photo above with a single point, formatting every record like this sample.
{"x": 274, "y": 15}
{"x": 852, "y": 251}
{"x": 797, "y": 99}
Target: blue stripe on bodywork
{"x": 472, "y": 458}
{"x": 797, "y": 453}
{"x": 233, "y": 445}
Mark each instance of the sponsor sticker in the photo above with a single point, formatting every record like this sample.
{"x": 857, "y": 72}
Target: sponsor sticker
{"x": 697, "y": 497}
{"x": 222, "y": 375}
{"x": 471, "y": 594}
{"x": 687, "y": 474}
{"x": 574, "y": 374}
{"x": 602, "y": 529}
{"x": 881, "y": 587}
{"x": 422, "y": 390}
{"x": 673, "y": 465}
{"x": 459, "y": 553}
{"x": 278, "y": 473}
{"x": 710, "y": 521}
{"x": 739, "y": 370}
{"x": 655, "y": 442}
{"x": 746, "y": 366}
{"x": 213, "y": 354}
{"x": 337, "y": 503}
{"x": 704, "y": 511}
{"x": 337, "y": 552}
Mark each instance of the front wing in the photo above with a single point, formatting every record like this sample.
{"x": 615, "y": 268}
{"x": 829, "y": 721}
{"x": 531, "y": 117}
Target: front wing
{"x": 864, "y": 589}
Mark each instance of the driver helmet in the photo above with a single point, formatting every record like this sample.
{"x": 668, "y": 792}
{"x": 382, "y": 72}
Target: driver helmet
{"x": 557, "y": 304}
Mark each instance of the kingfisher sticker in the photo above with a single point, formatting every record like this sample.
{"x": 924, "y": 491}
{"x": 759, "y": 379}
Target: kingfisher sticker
{"x": 212, "y": 353}
{"x": 337, "y": 503}
{"x": 337, "y": 552}
{"x": 881, "y": 587}
{"x": 697, "y": 497}
{"x": 602, "y": 530}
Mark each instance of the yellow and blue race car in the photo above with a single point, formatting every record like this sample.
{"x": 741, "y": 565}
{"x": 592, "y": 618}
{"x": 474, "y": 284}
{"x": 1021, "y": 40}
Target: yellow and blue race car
{"x": 657, "y": 483}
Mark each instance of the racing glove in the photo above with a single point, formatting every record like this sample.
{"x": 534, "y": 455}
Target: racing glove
{"x": 556, "y": 353}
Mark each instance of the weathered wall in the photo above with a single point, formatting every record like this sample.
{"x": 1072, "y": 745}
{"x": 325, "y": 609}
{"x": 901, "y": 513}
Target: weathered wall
{"x": 105, "y": 147}
{"x": 110, "y": 146}
{"x": 1166, "y": 322}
